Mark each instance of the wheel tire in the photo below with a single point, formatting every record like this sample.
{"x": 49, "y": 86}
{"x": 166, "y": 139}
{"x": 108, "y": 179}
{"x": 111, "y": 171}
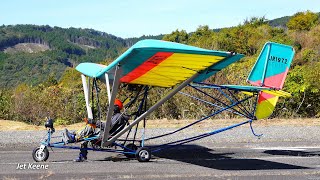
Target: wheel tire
{"x": 130, "y": 146}
{"x": 143, "y": 154}
{"x": 40, "y": 156}
{"x": 95, "y": 144}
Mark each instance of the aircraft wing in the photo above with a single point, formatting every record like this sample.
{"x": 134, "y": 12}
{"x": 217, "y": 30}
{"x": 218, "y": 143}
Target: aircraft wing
{"x": 91, "y": 69}
{"x": 162, "y": 63}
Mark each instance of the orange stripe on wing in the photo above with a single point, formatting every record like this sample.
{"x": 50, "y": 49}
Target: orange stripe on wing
{"x": 146, "y": 66}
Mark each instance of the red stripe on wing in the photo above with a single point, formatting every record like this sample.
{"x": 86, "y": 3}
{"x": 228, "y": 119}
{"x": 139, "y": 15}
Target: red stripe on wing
{"x": 146, "y": 66}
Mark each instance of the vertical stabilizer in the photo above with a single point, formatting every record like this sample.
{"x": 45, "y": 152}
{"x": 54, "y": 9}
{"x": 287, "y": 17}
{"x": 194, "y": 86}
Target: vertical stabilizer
{"x": 270, "y": 71}
{"x": 272, "y": 66}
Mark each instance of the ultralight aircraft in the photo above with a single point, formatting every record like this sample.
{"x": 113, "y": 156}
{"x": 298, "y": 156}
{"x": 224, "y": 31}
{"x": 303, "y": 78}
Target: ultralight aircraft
{"x": 156, "y": 63}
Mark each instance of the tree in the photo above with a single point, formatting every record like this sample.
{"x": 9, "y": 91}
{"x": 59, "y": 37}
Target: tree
{"x": 5, "y": 104}
{"x": 177, "y": 36}
{"x": 303, "y": 21}
{"x": 202, "y": 37}
{"x": 256, "y": 21}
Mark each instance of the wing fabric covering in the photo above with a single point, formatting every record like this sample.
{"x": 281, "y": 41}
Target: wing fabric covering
{"x": 166, "y": 69}
{"x": 90, "y": 69}
{"x": 270, "y": 71}
{"x": 163, "y": 64}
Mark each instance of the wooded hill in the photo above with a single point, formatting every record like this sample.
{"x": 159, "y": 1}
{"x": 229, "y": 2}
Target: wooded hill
{"x": 39, "y": 81}
{"x": 61, "y": 48}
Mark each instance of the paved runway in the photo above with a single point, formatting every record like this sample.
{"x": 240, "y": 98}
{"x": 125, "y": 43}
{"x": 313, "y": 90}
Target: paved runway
{"x": 265, "y": 160}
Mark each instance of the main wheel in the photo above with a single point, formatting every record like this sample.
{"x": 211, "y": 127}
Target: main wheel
{"x": 96, "y": 144}
{"x": 143, "y": 154}
{"x": 132, "y": 147}
{"x": 40, "y": 155}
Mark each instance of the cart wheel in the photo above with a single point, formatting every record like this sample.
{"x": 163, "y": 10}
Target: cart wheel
{"x": 143, "y": 154}
{"x": 95, "y": 144}
{"x": 39, "y": 155}
{"x": 130, "y": 146}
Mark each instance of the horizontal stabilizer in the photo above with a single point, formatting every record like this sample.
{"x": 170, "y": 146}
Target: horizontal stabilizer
{"x": 278, "y": 93}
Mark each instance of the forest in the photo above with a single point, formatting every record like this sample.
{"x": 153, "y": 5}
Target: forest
{"x": 44, "y": 83}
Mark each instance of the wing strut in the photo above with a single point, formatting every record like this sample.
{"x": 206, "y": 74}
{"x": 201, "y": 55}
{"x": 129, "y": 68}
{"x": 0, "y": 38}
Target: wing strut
{"x": 151, "y": 109}
{"x": 86, "y": 88}
{"x": 115, "y": 86}
{"x": 108, "y": 86}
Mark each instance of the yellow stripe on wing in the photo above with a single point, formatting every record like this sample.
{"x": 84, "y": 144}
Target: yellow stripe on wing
{"x": 176, "y": 68}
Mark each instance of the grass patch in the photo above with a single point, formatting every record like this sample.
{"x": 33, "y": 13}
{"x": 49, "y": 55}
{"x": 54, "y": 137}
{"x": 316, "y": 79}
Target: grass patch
{"x": 7, "y": 125}
{"x": 227, "y": 122}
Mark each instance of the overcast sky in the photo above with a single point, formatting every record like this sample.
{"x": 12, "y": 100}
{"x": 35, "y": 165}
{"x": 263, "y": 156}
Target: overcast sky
{"x": 134, "y": 18}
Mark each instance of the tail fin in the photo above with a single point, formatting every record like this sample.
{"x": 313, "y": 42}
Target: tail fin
{"x": 270, "y": 70}
{"x": 267, "y": 101}
{"x": 272, "y": 66}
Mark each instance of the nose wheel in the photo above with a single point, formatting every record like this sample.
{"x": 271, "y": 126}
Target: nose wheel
{"x": 143, "y": 154}
{"x": 40, "y": 154}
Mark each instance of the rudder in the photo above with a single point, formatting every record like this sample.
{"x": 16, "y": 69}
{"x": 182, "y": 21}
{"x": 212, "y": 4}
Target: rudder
{"x": 270, "y": 70}
{"x": 266, "y": 104}
{"x": 272, "y": 66}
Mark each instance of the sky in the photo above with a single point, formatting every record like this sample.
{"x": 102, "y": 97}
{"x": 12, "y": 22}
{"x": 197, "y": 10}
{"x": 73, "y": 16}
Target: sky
{"x": 134, "y": 18}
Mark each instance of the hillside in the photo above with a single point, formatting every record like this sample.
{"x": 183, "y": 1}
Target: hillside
{"x": 38, "y": 51}
{"x": 37, "y": 77}
{"x": 280, "y": 22}
{"x": 26, "y": 48}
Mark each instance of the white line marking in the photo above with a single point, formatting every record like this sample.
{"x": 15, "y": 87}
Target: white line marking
{"x": 299, "y": 148}
{"x": 20, "y": 152}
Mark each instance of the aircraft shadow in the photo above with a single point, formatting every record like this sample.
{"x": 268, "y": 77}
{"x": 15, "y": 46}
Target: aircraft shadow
{"x": 202, "y": 156}
{"x": 292, "y": 153}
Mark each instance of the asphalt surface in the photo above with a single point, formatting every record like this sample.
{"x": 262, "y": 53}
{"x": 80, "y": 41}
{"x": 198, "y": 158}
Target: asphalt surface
{"x": 274, "y": 156}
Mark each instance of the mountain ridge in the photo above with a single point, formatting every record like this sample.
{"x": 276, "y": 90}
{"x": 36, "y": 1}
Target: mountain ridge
{"x": 66, "y": 47}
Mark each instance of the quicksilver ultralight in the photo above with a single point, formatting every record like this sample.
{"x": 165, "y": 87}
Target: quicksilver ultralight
{"x": 154, "y": 63}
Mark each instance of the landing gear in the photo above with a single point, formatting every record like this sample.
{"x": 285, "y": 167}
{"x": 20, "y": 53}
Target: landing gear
{"x": 143, "y": 154}
{"x": 96, "y": 144}
{"x": 132, "y": 147}
{"x": 40, "y": 154}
